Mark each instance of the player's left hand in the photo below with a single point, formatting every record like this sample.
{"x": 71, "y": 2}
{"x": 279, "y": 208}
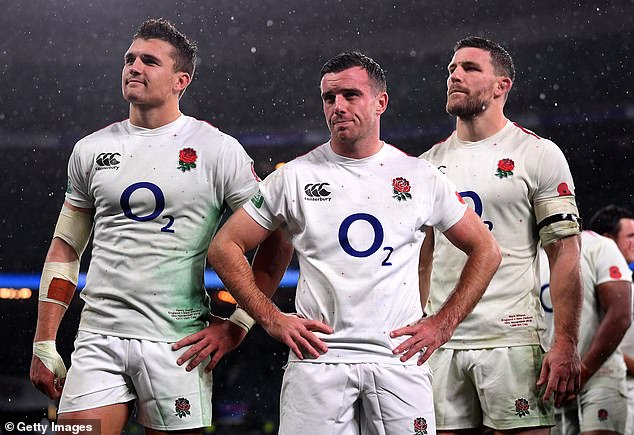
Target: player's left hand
{"x": 217, "y": 339}
{"x": 427, "y": 335}
{"x": 561, "y": 373}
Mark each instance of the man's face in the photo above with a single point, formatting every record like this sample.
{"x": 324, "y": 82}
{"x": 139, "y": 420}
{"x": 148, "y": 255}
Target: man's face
{"x": 352, "y": 106}
{"x": 471, "y": 82}
{"x": 625, "y": 238}
{"x": 148, "y": 77}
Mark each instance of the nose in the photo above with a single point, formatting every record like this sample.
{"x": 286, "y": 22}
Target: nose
{"x": 339, "y": 104}
{"x": 135, "y": 67}
{"x": 454, "y": 76}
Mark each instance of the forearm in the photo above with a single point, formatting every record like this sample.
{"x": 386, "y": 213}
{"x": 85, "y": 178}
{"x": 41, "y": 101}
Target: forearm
{"x": 605, "y": 342}
{"x": 49, "y": 317}
{"x": 566, "y": 289}
{"x": 480, "y": 267}
{"x": 629, "y": 364}
{"x": 270, "y": 262}
{"x": 232, "y": 267}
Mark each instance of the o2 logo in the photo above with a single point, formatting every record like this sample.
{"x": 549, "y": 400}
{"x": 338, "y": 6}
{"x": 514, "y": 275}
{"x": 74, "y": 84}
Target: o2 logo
{"x": 477, "y": 205}
{"x": 379, "y": 234}
{"x": 159, "y": 199}
{"x": 544, "y": 298}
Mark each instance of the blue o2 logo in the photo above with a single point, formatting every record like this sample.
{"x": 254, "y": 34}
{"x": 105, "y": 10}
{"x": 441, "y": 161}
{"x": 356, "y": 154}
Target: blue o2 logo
{"x": 477, "y": 205}
{"x": 379, "y": 235}
{"x": 544, "y": 298}
{"x": 159, "y": 199}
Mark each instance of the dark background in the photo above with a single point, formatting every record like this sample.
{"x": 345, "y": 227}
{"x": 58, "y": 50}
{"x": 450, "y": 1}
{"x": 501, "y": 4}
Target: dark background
{"x": 258, "y": 80}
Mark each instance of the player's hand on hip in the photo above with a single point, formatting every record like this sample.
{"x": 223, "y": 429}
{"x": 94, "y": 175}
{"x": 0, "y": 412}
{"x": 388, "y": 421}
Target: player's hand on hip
{"x": 217, "y": 339}
{"x": 426, "y": 335}
{"x": 561, "y": 373}
{"x": 297, "y": 333}
{"x": 48, "y": 382}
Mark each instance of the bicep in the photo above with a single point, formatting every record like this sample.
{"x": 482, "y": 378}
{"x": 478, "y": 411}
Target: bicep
{"x": 468, "y": 232}
{"x": 242, "y": 230}
{"x": 615, "y": 296}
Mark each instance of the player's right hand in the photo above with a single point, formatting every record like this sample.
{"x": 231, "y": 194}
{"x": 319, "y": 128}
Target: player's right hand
{"x": 48, "y": 382}
{"x": 297, "y": 333}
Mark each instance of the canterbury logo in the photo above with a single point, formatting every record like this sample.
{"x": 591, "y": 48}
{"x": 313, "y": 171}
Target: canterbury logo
{"x": 108, "y": 159}
{"x": 317, "y": 190}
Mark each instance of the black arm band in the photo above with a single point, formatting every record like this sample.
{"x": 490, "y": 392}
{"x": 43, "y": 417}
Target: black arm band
{"x": 559, "y": 217}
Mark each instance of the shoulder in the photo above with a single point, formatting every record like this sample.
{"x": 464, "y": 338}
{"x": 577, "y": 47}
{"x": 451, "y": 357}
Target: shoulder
{"x": 438, "y": 147}
{"x": 106, "y": 134}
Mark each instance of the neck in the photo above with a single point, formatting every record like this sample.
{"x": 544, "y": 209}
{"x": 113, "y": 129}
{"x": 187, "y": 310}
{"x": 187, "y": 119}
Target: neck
{"x": 153, "y": 117}
{"x": 480, "y": 126}
{"x": 356, "y": 150}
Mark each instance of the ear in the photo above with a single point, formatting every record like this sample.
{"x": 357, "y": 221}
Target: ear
{"x": 381, "y": 102}
{"x": 503, "y": 86}
{"x": 183, "y": 80}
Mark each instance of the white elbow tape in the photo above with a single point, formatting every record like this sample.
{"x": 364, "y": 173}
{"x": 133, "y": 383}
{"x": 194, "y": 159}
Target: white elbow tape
{"x": 557, "y": 218}
{"x": 58, "y": 282}
{"x": 242, "y": 319}
{"x": 74, "y": 227}
{"x": 46, "y": 352}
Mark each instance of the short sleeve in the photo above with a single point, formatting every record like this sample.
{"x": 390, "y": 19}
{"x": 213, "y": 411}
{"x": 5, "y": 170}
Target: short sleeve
{"x": 77, "y": 189}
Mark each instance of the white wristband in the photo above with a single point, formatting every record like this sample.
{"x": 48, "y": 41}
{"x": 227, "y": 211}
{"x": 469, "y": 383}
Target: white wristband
{"x": 46, "y": 352}
{"x": 242, "y": 319}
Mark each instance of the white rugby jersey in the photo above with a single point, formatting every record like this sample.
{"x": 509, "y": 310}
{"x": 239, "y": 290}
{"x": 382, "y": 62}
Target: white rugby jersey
{"x": 501, "y": 177}
{"x": 357, "y": 226}
{"x": 158, "y": 196}
{"x": 601, "y": 262}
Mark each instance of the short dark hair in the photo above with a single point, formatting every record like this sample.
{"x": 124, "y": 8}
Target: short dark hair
{"x": 185, "y": 49}
{"x": 351, "y": 59}
{"x": 608, "y": 220}
{"x": 501, "y": 59}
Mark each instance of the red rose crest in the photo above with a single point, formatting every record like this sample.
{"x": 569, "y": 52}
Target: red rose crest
{"x": 187, "y": 159}
{"x": 505, "y": 168}
{"x": 420, "y": 426}
{"x": 400, "y": 189}
{"x": 615, "y": 273}
{"x": 181, "y": 406}
{"x": 602, "y": 414}
{"x": 522, "y": 408}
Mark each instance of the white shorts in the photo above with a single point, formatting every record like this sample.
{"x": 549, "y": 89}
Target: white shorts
{"x": 106, "y": 370}
{"x": 600, "y": 408}
{"x": 629, "y": 427}
{"x": 489, "y": 387}
{"x": 353, "y": 399}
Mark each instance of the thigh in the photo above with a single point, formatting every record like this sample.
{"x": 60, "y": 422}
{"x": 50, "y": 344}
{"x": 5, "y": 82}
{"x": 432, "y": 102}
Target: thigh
{"x": 506, "y": 382}
{"x": 397, "y": 399}
{"x": 169, "y": 398}
{"x": 105, "y": 420}
{"x": 319, "y": 399}
{"x": 456, "y": 401}
{"x": 96, "y": 377}
{"x": 603, "y": 408}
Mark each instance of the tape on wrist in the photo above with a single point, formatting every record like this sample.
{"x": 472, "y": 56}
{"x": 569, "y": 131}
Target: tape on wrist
{"x": 46, "y": 352}
{"x": 242, "y": 319}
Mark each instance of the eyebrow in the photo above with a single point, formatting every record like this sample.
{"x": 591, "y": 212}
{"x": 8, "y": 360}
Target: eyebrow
{"x": 464, "y": 63}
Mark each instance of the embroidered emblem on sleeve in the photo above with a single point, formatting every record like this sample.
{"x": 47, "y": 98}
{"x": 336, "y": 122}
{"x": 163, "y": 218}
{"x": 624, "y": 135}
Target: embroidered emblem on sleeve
{"x": 563, "y": 190}
{"x": 615, "y": 273}
{"x": 187, "y": 159}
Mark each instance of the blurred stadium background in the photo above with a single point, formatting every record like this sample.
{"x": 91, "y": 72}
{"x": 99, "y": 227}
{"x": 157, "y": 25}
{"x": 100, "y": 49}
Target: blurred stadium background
{"x": 258, "y": 77}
